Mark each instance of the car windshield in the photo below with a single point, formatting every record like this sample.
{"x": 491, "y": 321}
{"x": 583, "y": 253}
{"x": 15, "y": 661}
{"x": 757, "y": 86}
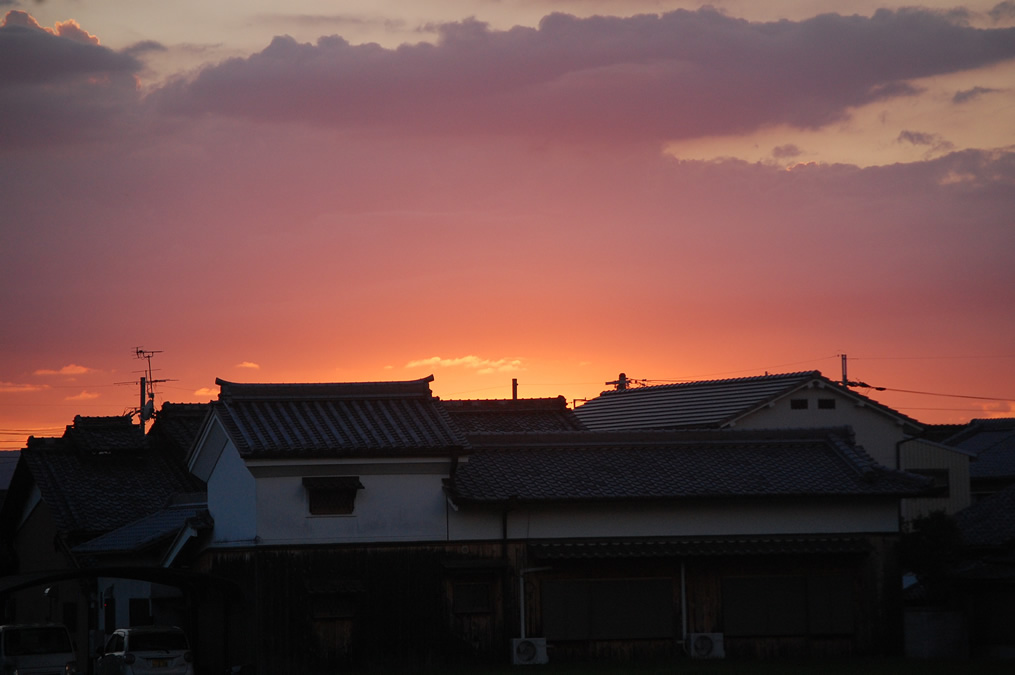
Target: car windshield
{"x": 157, "y": 641}
{"x": 40, "y": 640}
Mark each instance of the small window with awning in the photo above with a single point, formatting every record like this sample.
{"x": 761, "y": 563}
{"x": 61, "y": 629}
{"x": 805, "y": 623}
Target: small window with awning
{"x": 332, "y": 495}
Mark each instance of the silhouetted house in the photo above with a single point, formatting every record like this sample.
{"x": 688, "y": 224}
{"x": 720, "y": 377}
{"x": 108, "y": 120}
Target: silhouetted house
{"x": 66, "y": 497}
{"x": 8, "y": 460}
{"x": 370, "y": 527}
{"x": 991, "y": 443}
{"x": 791, "y": 401}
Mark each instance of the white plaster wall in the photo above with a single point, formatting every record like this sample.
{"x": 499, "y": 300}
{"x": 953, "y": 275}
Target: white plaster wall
{"x": 231, "y": 499}
{"x": 876, "y": 432}
{"x": 693, "y": 519}
{"x": 390, "y": 507}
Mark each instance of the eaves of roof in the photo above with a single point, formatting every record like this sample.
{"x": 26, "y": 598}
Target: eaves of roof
{"x": 690, "y": 547}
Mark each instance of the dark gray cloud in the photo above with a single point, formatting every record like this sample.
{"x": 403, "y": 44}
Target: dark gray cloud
{"x": 969, "y": 94}
{"x": 786, "y": 151}
{"x": 1003, "y": 11}
{"x": 678, "y": 75}
{"x": 933, "y": 142}
{"x": 58, "y": 87}
{"x": 144, "y": 47}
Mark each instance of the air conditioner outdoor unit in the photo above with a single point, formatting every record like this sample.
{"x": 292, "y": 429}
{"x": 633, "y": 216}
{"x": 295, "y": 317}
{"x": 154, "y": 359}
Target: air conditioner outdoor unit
{"x": 528, "y": 651}
{"x": 706, "y": 646}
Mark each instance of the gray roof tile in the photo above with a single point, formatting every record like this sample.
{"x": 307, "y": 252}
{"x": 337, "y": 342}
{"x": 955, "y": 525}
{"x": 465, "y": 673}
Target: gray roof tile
{"x": 674, "y": 465}
{"x": 992, "y": 442}
{"x": 991, "y": 521}
{"x": 336, "y": 420}
{"x": 100, "y": 476}
{"x": 149, "y": 530}
{"x": 707, "y": 404}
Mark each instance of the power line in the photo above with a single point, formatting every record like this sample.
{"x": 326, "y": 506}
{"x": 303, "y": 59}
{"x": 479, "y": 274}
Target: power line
{"x": 929, "y": 393}
{"x": 927, "y": 358}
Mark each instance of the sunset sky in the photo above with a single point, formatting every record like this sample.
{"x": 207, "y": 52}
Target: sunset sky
{"x": 553, "y": 191}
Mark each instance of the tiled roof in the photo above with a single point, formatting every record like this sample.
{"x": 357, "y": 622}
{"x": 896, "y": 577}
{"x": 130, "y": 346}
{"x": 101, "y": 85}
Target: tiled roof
{"x": 698, "y": 546}
{"x": 688, "y": 404}
{"x": 105, "y": 434}
{"x": 91, "y": 487}
{"x": 991, "y": 521}
{"x": 336, "y": 420}
{"x": 149, "y": 530}
{"x": 177, "y": 425}
{"x": 513, "y": 415}
{"x": 707, "y": 404}
{"x": 674, "y": 465}
{"x": 992, "y": 442}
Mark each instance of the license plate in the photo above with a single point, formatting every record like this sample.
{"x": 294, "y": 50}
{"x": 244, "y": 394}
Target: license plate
{"x": 160, "y": 663}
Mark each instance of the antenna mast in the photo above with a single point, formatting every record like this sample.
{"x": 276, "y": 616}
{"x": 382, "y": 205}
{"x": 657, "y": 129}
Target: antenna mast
{"x": 147, "y": 409}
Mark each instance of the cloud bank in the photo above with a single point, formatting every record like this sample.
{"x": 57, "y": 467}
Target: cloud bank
{"x": 651, "y": 78}
{"x": 646, "y": 78}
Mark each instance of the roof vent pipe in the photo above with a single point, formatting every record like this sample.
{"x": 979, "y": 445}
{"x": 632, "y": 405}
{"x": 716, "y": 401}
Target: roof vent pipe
{"x": 514, "y": 388}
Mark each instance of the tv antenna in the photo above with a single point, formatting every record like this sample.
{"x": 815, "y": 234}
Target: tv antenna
{"x": 146, "y": 409}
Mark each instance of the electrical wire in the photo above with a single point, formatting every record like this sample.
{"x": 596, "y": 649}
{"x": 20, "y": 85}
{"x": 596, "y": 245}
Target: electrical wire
{"x": 930, "y": 393}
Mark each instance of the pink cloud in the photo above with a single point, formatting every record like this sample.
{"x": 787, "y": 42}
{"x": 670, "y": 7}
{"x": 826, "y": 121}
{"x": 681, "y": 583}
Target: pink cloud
{"x": 648, "y": 77}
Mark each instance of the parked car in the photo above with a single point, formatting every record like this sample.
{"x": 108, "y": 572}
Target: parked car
{"x": 37, "y": 648}
{"x": 159, "y": 650}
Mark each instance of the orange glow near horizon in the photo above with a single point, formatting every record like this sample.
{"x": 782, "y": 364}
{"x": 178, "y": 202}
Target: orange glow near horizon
{"x": 487, "y": 191}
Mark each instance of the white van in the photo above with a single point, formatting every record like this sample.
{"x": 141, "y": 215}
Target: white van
{"x": 37, "y": 649}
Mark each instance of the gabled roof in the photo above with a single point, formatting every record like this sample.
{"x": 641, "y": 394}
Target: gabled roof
{"x": 513, "y": 415}
{"x": 605, "y": 466}
{"x": 710, "y": 404}
{"x": 102, "y": 475}
{"x": 354, "y": 419}
{"x": 992, "y": 443}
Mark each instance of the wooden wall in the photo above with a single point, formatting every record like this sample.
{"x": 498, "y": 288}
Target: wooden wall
{"x": 319, "y": 609}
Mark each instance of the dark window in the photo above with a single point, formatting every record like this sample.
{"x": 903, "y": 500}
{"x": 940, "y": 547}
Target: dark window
{"x": 791, "y": 605}
{"x": 471, "y": 597}
{"x": 140, "y": 610}
{"x": 798, "y": 403}
{"x": 941, "y": 485}
{"x": 608, "y": 609}
{"x": 114, "y": 644}
{"x": 332, "y": 495}
{"x": 157, "y": 640}
{"x": 826, "y": 403}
